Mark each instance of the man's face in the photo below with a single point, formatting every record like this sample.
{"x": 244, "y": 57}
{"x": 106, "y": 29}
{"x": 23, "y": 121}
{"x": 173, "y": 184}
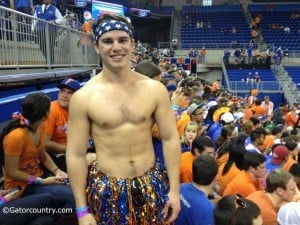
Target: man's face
{"x": 198, "y": 115}
{"x": 260, "y": 171}
{"x": 207, "y": 151}
{"x": 261, "y": 139}
{"x": 289, "y": 192}
{"x": 115, "y": 48}
{"x": 64, "y": 97}
{"x": 47, "y": 2}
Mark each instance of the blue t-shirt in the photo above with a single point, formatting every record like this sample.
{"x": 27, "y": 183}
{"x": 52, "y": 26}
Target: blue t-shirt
{"x": 185, "y": 148}
{"x": 196, "y": 208}
{"x": 270, "y": 167}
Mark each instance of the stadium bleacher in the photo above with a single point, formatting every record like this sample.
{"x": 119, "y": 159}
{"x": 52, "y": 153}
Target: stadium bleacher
{"x": 221, "y": 19}
{"x": 294, "y": 73}
{"x": 280, "y": 17}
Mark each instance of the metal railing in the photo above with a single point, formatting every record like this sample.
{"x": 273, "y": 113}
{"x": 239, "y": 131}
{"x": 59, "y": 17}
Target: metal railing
{"x": 45, "y": 45}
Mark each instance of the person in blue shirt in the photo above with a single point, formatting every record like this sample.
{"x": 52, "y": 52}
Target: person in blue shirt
{"x": 23, "y": 22}
{"x": 50, "y": 13}
{"x": 24, "y": 6}
{"x": 196, "y": 208}
{"x": 279, "y": 157}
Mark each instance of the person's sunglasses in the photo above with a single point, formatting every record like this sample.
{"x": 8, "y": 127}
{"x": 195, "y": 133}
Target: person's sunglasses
{"x": 240, "y": 201}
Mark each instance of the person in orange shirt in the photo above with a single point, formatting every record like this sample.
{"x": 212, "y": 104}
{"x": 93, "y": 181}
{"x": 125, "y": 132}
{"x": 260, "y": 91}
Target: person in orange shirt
{"x": 257, "y": 109}
{"x": 247, "y": 181}
{"x": 200, "y": 145}
{"x": 195, "y": 112}
{"x": 293, "y": 153}
{"x": 86, "y": 39}
{"x": 228, "y": 170}
{"x": 291, "y": 118}
{"x": 295, "y": 171}
{"x": 280, "y": 188}
{"x": 251, "y": 98}
{"x": 56, "y": 124}
{"x": 23, "y": 146}
{"x": 273, "y": 135}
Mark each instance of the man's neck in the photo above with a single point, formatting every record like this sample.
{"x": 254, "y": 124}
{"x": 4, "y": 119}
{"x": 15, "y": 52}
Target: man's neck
{"x": 124, "y": 75}
{"x": 204, "y": 188}
{"x": 252, "y": 176}
{"x": 275, "y": 199}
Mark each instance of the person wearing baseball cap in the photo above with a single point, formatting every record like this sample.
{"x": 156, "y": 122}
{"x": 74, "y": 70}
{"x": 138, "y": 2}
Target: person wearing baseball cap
{"x": 280, "y": 154}
{"x": 57, "y": 123}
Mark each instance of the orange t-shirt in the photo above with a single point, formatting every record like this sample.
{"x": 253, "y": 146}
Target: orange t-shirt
{"x": 242, "y": 184}
{"x": 289, "y": 163}
{"x": 291, "y": 119}
{"x": 186, "y": 165}
{"x": 268, "y": 210}
{"x": 223, "y": 180}
{"x": 268, "y": 143}
{"x": 248, "y": 114}
{"x": 87, "y": 37}
{"x": 223, "y": 159}
{"x": 57, "y": 123}
{"x": 18, "y": 144}
{"x": 258, "y": 110}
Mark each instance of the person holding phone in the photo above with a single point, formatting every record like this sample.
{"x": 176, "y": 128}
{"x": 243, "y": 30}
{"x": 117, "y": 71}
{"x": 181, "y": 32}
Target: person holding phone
{"x": 9, "y": 204}
{"x": 22, "y": 153}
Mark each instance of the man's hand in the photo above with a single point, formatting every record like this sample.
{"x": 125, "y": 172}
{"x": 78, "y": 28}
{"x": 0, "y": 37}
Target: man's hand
{"x": 172, "y": 207}
{"x": 87, "y": 220}
{"x": 177, "y": 97}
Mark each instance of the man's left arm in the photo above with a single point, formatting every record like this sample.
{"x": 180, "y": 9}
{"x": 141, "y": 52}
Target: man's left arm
{"x": 54, "y": 147}
{"x": 165, "y": 118}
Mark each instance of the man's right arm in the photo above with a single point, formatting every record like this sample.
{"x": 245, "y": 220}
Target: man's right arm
{"x": 77, "y": 139}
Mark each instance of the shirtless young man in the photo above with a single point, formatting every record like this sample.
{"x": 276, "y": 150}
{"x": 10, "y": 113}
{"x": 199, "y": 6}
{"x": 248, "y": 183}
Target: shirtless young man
{"x": 126, "y": 184}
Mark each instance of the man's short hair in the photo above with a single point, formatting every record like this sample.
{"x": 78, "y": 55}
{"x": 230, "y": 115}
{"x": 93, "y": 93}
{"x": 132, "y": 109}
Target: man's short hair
{"x": 201, "y": 143}
{"x": 278, "y": 178}
{"x": 253, "y": 159}
{"x": 205, "y": 169}
{"x": 257, "y": 133}
{"x": 148, "y": 69}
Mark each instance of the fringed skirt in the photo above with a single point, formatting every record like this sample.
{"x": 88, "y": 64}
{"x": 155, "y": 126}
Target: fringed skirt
{"x": 135, "y": 201}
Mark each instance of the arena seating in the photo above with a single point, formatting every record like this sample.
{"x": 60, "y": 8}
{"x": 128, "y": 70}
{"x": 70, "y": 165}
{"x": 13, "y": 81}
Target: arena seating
{"x": 294, "y": 72}
{"x": 238, "y": 78}
{"x": 221, "y": 18}
{"x": 12, "y": 103}
{"x": 280, "y": 16}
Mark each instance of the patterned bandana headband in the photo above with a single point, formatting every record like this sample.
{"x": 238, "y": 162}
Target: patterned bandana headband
{"x": 110, "y": 26}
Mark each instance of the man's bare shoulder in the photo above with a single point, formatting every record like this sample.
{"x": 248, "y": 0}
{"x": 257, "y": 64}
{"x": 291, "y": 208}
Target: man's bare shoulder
{"x": 150, "y": 82}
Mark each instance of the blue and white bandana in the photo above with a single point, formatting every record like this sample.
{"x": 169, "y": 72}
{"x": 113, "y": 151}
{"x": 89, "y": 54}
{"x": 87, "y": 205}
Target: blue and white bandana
{"x": 110, "y": 26}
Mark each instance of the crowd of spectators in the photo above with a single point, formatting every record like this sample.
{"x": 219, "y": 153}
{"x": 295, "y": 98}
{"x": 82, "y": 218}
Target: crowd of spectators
{"x": 239, "y": 156}
{"x": 253, "y": 144}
